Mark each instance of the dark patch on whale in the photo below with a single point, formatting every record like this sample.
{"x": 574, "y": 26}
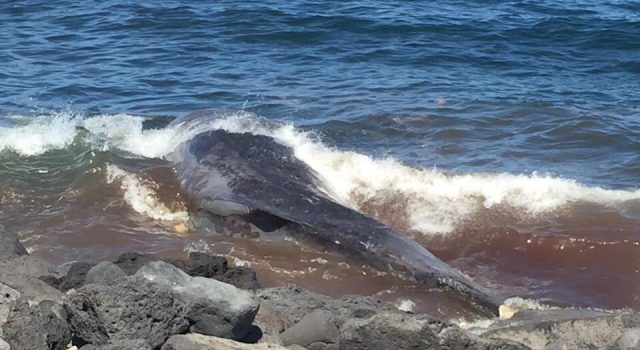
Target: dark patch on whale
{"x": 255, "y": 177}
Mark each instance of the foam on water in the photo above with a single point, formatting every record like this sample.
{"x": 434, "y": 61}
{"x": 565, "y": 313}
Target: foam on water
{"x": 141, "y": 197}
{"x": 433, "y": 201}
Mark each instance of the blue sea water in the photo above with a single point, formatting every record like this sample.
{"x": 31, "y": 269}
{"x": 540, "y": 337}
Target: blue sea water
{"x": 465, "y": 86}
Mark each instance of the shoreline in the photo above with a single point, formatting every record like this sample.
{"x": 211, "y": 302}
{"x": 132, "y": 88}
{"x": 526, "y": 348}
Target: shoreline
{"x": 142, "y": 302}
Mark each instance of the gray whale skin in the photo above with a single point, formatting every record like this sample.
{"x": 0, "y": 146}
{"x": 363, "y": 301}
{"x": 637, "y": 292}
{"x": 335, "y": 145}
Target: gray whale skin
{"x": 260, "y": 180}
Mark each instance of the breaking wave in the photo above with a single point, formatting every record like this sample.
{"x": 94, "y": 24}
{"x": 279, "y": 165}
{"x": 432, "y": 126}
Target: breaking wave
{"x": 425, "y": 200}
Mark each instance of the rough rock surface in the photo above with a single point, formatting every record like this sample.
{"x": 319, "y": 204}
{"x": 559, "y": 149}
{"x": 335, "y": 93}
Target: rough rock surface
{"x": 74, "y": 278}
{"x": 316, "y": 330}
{"x": 8, "y": 296}
{"x": 104, "y": 273}
{"x": 202, "y": 342}
{"x": 289, "y": 304}
{"x": 213, "y": 307}
{"x": 211, "y": 266}
{"x": 317, "y": 322}
{"x": 132, "y": 308}
{"x": 41, "y": 326}
{"x": 568, "y": 329}
{"x": 630, "y": 339}
{"x": 22, "y": 273}
{"x": 396, "y": 331}
{"x": 124, "y": 344}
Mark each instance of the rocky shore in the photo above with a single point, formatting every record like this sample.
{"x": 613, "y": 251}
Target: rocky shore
{"x": 143, "y": 302}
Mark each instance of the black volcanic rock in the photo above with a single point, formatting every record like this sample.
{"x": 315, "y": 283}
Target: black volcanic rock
{"x": 132, "y": 308}
{"x": 216, "y": 267}
{"x": 74, "y": 278}
{"x": 37, "y": 327}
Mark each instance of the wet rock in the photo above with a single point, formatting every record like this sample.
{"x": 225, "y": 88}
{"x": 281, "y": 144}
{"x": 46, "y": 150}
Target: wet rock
{"x": 41, "y": 326}
{"x": 566, "y": 329}
{"x": 398, "y": 331}
{"x": 104, "y": 273}
{"x": 132, "y": 308}
{"x": 130, "y": 262}
{"x": 10, "y": 246}
{"x": 204, "y": 265}
{"x": 202, "y": 342}
{"x": 213, "y": 307}
{"x": 74, "y": 278}
{"x": 316, "y": 330}
{"x": 22, "y": 274}
{"x": 291, "y": 303}
{"x": 240, "y": 277}
{"x": 124, "y": 344}
{"x": 210, "y": 266}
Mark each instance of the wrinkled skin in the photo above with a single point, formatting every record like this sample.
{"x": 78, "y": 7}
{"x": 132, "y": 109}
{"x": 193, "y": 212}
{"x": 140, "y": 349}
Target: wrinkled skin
{"x": 260, "y": 180}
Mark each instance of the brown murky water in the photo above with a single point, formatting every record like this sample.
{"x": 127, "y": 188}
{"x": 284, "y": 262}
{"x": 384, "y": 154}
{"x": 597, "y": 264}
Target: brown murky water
{"x": 581, "y": 257}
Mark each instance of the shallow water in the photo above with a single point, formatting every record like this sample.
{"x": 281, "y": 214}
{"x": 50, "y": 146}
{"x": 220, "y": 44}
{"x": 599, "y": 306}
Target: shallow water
{"x": 503, "y": 136}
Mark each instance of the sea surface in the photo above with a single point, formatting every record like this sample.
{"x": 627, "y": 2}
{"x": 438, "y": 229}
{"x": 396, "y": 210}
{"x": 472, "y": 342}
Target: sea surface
{"x": 504, "y": 136}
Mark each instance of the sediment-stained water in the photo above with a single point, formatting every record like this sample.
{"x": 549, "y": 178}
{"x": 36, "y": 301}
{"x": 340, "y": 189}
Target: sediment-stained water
{"x": 503, "y": 137}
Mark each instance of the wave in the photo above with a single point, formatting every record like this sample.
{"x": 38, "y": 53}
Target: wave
{"x": 423, "y": 200}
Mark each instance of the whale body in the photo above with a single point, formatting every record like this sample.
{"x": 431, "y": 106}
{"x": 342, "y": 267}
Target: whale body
{"x": 260, "y": 180}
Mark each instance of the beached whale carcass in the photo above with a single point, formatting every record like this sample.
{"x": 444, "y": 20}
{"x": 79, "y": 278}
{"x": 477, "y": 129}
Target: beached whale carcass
{"x": 261, "y": 180}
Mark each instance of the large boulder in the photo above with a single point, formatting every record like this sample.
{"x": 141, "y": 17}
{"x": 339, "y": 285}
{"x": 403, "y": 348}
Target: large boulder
{"x": 132, "y": 308}
{"x": 569, "y": 329}
{"x": 37, "y": 327}
{"x": 195, "y": 341}
{"x": 213, "y": 307}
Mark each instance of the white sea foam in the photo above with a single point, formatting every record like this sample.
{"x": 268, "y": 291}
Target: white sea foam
{"x": 141, "y": 197}
{"x": 30, "y": 139}
{"x": 434, "y": 201}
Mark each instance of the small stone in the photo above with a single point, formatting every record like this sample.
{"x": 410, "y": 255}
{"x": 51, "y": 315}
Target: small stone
{"x": 181, "y": 228}
{"x": 4, "y": 345}
{"x": 506, "y": 312}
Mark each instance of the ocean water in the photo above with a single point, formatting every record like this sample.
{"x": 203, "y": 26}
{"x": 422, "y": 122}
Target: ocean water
{"x": 502, "y": 135}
